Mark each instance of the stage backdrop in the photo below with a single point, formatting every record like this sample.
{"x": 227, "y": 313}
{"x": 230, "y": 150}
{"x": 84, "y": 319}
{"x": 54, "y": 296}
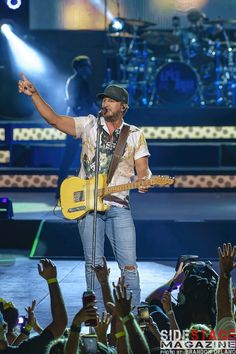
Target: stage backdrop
{"x": 90, "y": 14}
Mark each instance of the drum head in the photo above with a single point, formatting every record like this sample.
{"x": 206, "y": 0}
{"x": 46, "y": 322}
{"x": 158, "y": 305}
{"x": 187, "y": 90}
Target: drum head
{"x": 176, "y": 83}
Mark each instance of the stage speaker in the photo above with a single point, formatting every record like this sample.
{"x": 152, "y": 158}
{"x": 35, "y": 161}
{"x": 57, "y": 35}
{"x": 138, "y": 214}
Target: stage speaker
{"x": 6, "y": 210}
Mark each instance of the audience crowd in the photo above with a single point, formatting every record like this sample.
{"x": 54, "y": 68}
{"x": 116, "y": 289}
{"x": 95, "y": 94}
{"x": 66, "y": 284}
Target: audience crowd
{"x": 204, "y": 307}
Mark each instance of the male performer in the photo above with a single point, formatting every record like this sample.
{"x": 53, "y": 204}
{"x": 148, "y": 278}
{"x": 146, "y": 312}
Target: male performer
{"x": 117, "y": 222}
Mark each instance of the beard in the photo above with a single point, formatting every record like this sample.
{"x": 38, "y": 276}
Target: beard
{"x": 113, "y": 118}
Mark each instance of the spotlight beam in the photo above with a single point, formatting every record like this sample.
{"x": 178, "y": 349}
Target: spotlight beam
{"x": 25, "y": 57}
{"x": 100, "y": 5}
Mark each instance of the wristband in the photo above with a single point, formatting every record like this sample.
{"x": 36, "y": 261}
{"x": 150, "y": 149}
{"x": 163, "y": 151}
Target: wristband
{"x": 75, "y": 328}
{"x": 25, "y": 332}
{"x": 52, "y": 280}
{"x": 127, "y": 318}
{"x": 120, "y": 334}
{"x": 28, "y": 327}
{"x": 170, "y": 312}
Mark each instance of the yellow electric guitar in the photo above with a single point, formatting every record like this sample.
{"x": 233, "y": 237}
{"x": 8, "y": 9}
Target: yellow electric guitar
{"x": 77, "y": 194}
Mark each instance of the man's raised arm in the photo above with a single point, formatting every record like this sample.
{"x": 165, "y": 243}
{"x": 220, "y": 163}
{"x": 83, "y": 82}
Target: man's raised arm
{"x": 63, "y": 123}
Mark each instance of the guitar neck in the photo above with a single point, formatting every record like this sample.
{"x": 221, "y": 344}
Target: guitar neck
{"x": 158, "y": 180}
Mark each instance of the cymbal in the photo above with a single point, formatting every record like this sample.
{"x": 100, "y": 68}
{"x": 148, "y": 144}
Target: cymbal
{"x": 162, "y": 39}
{"x": 220, "y": 21}
{"x": 123, "y": 35}
{"x": 136, "y": 22}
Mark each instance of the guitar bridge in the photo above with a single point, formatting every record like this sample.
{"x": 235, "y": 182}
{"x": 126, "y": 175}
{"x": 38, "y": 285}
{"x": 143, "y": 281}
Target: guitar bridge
{"x": 73, "y": 210}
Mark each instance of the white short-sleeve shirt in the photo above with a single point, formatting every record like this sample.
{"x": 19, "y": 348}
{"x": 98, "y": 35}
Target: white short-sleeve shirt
{"x": 136, "y": 147}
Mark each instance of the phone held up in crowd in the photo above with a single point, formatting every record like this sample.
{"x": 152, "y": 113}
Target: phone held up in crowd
{"x": 143, "y": 315}
{"x": 89, "y": 297}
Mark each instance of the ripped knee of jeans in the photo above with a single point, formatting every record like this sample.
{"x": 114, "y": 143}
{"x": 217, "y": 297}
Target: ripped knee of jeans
{"x": 129, "y": 268}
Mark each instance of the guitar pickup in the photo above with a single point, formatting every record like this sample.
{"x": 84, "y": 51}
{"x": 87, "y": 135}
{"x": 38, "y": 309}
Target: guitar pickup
{"x": 78, "y": 196}
{"x": 72, "y": 210}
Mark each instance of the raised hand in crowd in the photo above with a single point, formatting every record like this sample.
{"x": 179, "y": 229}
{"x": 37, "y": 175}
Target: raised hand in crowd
{"x": 167, "y": 305}
{"x": 31, "y": 321}
{"x": 117, "y": 334}
{"x": 135, "y": 338}
{"x": 152, "y": 327}
{"x": 73, "y": 344}
{"x": 30, "y": 312}
{"x": 102, "y": 327}
{"x": 226, "y": 258}
{"x": 172, "y": 284}
{"x": 179, "y": 276}
{"x": 122, "y": 299}
{"x": 166, "y": 302}
{"x": 116, "y": 337}
{"x": 36, "y": 326}
{"x": 47, "y": 270}
{"x": 55, "y": 329}
{"x": 88, "y": 312}
{"x": 224, "y": 287}
{"x": 102, "y": 273}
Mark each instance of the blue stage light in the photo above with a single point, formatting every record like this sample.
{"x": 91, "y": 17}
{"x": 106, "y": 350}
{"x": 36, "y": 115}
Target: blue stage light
{"x": 14, "y": 4}
{"x": 6, "y": 28}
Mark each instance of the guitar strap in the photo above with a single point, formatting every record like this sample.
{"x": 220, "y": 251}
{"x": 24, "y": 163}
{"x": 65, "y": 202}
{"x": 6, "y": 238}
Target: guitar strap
{"x": 118, "y": 152}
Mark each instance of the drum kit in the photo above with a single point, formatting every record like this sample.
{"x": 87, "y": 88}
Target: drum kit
{"x": 194, "y": 65}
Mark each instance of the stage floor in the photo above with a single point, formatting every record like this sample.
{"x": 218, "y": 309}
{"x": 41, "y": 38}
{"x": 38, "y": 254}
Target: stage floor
{"x": 20, "y": 282}
{"x": 177, "y": 206}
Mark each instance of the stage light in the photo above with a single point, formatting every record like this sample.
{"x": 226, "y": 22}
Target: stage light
{"x": 6, "y": 210}
{"x": 117, "y": 25}
{"x": 25, "y": 57}
{"x": 6, "y": 28}
{"x": 14, "y": 4}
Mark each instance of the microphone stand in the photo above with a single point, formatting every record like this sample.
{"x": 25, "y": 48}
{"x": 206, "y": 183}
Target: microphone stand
{"x": 97, "y": 154}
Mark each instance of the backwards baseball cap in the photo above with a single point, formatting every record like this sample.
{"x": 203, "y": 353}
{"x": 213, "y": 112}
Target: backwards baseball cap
{"x": 81, "y": 60}
{"x": 115, "y": 92}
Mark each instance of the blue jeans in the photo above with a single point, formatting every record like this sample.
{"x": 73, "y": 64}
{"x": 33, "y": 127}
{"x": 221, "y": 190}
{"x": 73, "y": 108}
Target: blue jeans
{"x": 117, "y": 223}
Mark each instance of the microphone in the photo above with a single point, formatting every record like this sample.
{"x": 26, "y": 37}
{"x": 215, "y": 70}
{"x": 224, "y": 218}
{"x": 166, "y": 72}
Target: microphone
{"x": 101, "y": 112}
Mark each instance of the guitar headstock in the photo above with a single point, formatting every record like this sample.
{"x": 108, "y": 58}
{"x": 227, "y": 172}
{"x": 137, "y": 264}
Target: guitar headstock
{"x": 162, "y": 181}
